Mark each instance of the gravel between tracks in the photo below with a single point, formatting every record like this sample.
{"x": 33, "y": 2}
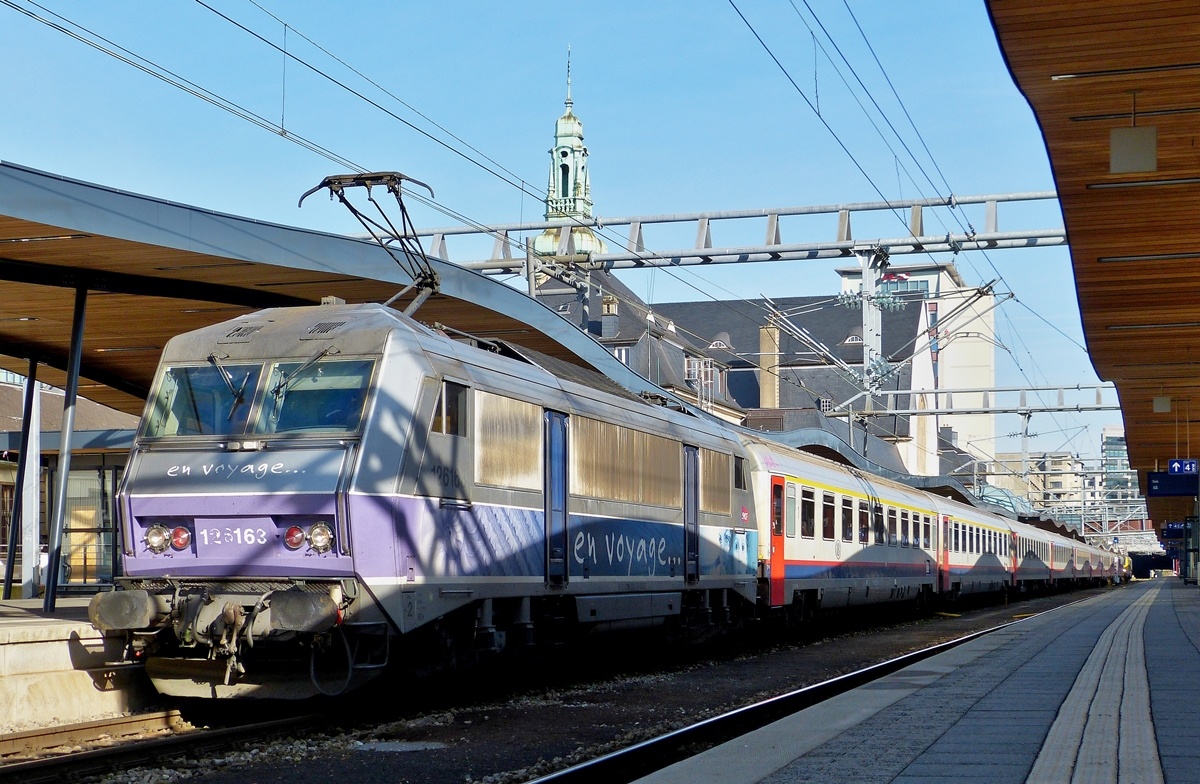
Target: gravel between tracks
{"x": 596, "y": 699}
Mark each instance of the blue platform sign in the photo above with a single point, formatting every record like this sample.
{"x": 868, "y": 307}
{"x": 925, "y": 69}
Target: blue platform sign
{"x": 1160, "y": 483}
{"x": 1178, "y": 466}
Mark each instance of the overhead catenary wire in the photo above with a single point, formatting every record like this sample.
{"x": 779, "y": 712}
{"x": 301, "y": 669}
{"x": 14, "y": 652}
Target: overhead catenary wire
{"x": 279, "y": 129}
{"x": 150, "y": 67}
{"x": 966, "y": 229}
{"x": 514, "y": 181}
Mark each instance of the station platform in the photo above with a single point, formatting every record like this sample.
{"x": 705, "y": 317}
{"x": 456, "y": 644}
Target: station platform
{"x": 53, "y": 668}
{"x": 1103, "y": 690}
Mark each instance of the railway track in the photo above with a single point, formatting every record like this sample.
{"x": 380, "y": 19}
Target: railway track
{"x": 623, "y": 765}
{"x": 73, "y": 765}
{"x": 644, "y": 758}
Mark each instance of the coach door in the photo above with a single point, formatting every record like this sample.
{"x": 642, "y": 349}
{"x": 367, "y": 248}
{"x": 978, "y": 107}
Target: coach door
{"x": 556, "y": 498}
{"x": 691, "y": 513}
{"x": 778, "y": 564}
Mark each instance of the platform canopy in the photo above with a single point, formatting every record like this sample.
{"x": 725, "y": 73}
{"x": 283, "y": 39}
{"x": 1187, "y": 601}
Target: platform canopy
{"x": 1130, "y": 198}
{"x": 154, "y": 269}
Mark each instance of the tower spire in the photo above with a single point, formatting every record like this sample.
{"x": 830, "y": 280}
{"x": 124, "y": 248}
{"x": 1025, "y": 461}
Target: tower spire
{"x": 569, "y": 102}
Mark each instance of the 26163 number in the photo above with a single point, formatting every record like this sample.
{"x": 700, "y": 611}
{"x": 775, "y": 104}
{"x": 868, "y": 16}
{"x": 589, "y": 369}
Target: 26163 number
{"x": 212, "y": 536}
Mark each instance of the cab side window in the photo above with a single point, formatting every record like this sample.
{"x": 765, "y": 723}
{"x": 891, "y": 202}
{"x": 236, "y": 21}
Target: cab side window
{"x": 450, "y": 413}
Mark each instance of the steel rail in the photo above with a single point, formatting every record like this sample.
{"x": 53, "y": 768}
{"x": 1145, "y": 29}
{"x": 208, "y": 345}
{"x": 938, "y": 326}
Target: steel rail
{"x": 70, "y": 767}
{"x": 33, "y": 741}
{"x": 644, "y": 758}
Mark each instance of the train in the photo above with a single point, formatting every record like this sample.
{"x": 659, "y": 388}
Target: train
{"x": 315, "y": 494}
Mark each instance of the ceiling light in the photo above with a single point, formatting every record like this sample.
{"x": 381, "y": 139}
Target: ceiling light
{"x": 113, "y": 349}
{"x": 306, "y": 282}
{"x": 1170, "y": 325}
{"x": 1129, "y": 115}
{"x": 1125, "y": 71}
{"x": 215, "y": 310}
{"x": 1151, "y": 257}
{"x": 1099, "y": 186}
{"x": 20, "y": 318}
{"x": 45, "y": 239}
{"x": 206, "y": 266}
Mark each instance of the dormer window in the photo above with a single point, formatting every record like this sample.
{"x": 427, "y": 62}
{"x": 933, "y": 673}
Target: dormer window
{"x": 853, "y": 339}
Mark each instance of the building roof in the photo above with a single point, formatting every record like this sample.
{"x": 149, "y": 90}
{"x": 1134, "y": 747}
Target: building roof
{"x": 89, "y": 415}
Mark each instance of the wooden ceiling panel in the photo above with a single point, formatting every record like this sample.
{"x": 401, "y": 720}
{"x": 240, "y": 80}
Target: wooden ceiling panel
{"x": 1046, "y": 38}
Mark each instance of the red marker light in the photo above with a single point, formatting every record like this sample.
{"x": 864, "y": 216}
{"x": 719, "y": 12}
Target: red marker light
{"x": 181, "y": 538}
{"x": 294, "y": 537}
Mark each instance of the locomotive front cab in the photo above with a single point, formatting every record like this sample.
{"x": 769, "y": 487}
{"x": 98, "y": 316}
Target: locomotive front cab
{"x": 233, "y": 511}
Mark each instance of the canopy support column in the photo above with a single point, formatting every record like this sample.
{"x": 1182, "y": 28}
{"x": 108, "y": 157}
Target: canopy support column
{"x": 14, "y": 528}
{"x": 64, "y": 452}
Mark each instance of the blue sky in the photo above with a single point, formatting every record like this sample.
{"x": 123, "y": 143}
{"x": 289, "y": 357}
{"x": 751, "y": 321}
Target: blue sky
{"x": 683, "y": 111}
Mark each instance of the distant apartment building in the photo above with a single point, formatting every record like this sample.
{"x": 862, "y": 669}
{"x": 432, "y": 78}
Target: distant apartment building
{"x": 1046, "y": 479}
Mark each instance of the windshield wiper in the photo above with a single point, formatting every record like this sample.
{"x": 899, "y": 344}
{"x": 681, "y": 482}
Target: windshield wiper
{"x": 285, "y": 383}
{"x": 227, "y": 377}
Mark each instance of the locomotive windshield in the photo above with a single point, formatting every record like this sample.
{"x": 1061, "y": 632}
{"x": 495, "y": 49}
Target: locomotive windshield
{"x": 208, "y": 400}
{"x": 324, "y": 396}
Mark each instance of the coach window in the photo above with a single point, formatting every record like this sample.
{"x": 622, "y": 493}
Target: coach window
{"x": 776, "y": 510}
{"x": 954, "y": 540}
{"x": 847, "y": 519}
{"x": 880, "y": 531}
{"x": 904, "y": 528}
{"x": 864, "y": 523}
{"x": 739, "y": 473}
{"x": 450, "y": 415}
{"x": 808, "y": 512}
{"x": 891, "y": 529}
{"x": 790, "y": 510}
{"x": 828, "y": 516}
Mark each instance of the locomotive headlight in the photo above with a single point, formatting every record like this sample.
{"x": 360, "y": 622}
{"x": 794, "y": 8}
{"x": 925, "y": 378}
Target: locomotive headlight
{"x": 157, "y": 538}
{"x": 320, "y": 537}
{"x": 181, "y": 538}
